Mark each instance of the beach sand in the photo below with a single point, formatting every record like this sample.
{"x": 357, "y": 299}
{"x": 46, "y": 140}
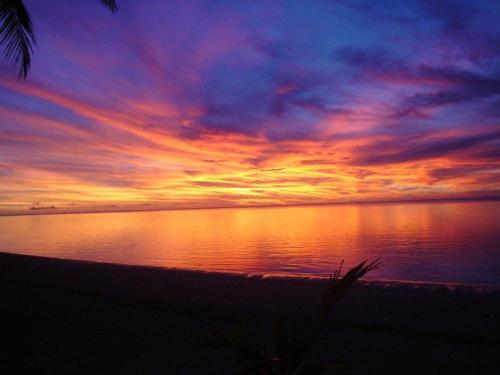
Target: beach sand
{"x": 73, "y": 317}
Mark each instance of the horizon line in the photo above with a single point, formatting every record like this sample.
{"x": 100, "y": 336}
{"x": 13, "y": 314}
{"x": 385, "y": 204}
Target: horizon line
{"x": 367, "y": 202}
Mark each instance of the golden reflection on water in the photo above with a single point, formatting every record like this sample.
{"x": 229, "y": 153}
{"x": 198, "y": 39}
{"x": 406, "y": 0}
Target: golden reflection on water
{"x": 424, "y": 241}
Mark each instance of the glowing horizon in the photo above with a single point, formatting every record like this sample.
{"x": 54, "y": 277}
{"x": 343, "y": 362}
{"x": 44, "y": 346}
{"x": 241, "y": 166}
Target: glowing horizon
{"x": 191, "y": 104}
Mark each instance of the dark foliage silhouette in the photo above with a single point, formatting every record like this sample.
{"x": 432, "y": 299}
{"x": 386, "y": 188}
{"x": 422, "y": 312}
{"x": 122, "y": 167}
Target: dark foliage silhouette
{"x": 17, "y": 36}
{"x": 293, "y": 344}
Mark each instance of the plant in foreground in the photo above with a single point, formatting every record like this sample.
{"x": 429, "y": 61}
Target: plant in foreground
{"x": 293, "y": 345}
{"x": 17, "y": 36}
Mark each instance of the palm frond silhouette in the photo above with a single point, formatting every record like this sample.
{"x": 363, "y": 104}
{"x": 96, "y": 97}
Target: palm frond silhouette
{"x": 292, "y": 344}
{"x": 17, "y": 36}
{"x": 110, "y": 4}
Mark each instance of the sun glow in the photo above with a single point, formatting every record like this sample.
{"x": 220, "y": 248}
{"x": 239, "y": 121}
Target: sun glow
{"x": 227, "y": 114}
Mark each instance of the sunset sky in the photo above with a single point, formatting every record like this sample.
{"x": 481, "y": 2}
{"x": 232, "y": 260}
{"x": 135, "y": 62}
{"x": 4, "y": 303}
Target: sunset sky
{"x": 170, "y": 104}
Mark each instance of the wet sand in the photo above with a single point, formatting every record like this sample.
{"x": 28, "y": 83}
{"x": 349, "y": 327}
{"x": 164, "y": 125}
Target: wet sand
{"x": 75, "y": 317}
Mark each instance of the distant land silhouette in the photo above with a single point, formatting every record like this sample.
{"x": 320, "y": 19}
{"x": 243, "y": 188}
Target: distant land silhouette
{"x": 35, "y": 210}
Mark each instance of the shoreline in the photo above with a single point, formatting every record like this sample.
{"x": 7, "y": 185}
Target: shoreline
{"x": 458, "y": 311}
{"x": 78, "y": 317}
{"x": 451, "y": 285}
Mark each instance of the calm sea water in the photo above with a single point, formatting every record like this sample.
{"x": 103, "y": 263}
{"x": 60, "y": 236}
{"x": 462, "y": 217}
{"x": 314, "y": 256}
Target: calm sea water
{"x": 457, "y": 242}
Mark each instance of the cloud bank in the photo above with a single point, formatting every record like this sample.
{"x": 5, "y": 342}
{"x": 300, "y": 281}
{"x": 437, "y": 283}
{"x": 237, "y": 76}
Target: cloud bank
{"x": 202, "y": 104}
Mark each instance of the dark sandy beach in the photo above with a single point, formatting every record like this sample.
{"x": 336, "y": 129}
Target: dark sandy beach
{"x": 71, "y": 317}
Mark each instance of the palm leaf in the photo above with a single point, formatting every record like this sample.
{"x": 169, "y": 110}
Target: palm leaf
{"x": 16, "y": 34}
{"x": 110, "y": 4}
{"x": 336, "y": 286}
{"x": 293, "y": 344}
{"x": 245, "y": 352}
